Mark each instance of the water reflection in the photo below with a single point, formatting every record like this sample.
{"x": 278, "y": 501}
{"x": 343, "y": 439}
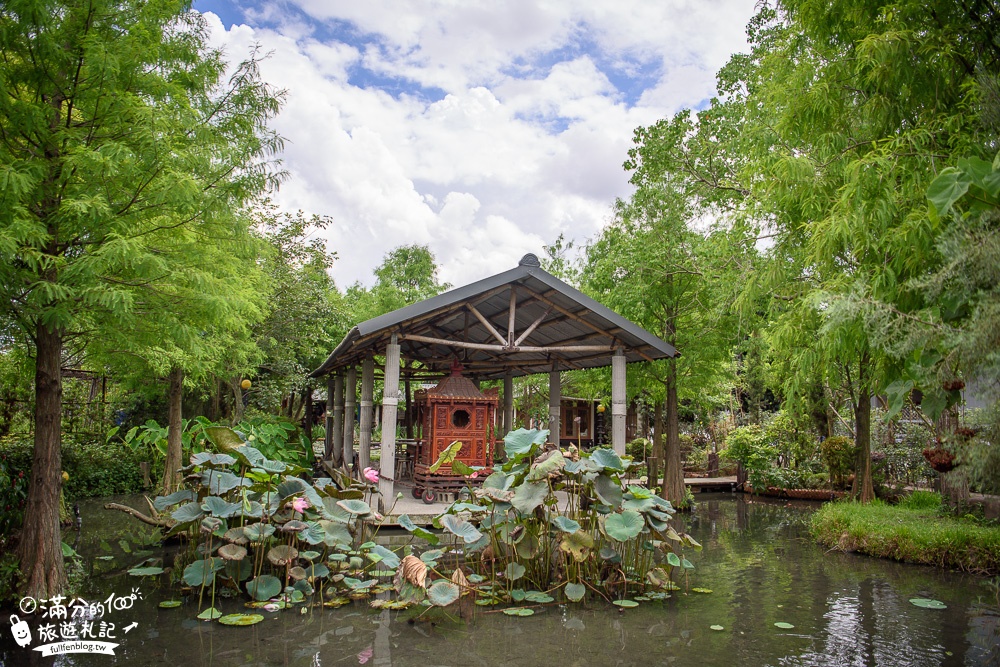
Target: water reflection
{"x": 759, "y": 561}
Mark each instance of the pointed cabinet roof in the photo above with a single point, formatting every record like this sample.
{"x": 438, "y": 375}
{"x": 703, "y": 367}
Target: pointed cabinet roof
{"x": 524, "y": 320}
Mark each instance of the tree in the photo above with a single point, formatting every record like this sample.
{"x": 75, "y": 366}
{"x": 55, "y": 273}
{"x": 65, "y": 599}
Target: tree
{"x": 115, "y": 129}
{"x": 407, "y": 274}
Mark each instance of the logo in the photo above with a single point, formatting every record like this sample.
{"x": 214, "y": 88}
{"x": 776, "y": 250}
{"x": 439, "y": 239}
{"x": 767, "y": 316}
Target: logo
{"x": 77, "y": 626}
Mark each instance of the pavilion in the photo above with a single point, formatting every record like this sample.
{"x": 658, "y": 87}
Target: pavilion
{"x": 520, "y": 322}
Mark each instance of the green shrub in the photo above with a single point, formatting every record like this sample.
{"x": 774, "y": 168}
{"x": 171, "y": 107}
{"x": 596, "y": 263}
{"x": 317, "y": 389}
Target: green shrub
{"x": 637, "y": 447}
{"x": 750, "y": 446}
{"x": 838, "y": 454}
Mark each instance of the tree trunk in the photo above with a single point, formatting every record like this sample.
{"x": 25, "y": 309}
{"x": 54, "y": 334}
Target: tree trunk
{"x": 673, "y": 474}
{"x": 40, "y": 548}
{"x": 175, "y": 426}
{"x": 236, "y": 415}
{"x": 657, "y": 440}
{"x": 863, "y": 489}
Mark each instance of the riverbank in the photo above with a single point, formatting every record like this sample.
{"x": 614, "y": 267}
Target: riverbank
{"x": 912, "y": 532}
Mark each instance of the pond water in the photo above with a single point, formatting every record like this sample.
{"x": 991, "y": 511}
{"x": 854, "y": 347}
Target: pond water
{"x": 759, "y": 562}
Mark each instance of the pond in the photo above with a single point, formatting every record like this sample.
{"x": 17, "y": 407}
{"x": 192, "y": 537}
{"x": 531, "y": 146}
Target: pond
{"x": 759, "y": 563}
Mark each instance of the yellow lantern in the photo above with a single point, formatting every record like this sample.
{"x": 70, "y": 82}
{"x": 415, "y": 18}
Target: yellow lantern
{"x": 600, "y": 407}
{"x": 245, "y": 384}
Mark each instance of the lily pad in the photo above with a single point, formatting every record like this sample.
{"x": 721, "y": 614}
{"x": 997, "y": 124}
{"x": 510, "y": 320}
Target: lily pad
{"x": 202, "y": 572}
{"x": 170, "y": 604}
{"x": 783, "y": 625}
{"x": 702, "y": 590}
{"x": 608, "y": 459}
{"x": 575, "y": 592}
{"x": 210, "y": 614}
{"x": 461, "y": 528}
{"x": 519, "y": 611}
{"x": 442, "y": 593}
{"x": 716, "y": 627}
{"x": 358, "y": 507}
{"x": 264, "y": 587}
{"x": 241, "y": 619}
{"x": 608, "y": 490}
{"x": 623, "y": 527}
{"x": 927, "y": 603}
{"x": 565, "y": 524}
{"x": 577, "y": 544}
{"x": 529, "y": 495}
{"x": 145, "y": 571}
{"x": 625, "y": 603}
{"x": 514, "y": 571}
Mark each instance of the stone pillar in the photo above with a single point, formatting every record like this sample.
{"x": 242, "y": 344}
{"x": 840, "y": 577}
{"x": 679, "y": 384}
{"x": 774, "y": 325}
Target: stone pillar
{"x": 367, "y": 413}
{"x": 618, "y": 402}
{"x": 390, "y": 402}
{"x": 350, "y": 401}
{"x": 508, "y": 402}
{"x": 328, "y": 438}
{"x": 555, "y": 394}
{"x": 338, "y": 419}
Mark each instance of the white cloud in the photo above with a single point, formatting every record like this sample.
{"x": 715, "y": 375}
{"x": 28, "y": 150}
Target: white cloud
{"x": 524, "y": 138}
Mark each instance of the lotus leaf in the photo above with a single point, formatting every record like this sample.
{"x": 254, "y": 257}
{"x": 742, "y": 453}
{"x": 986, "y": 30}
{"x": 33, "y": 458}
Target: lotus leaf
{"x": 359, "y": 585}
{"x": 686, "y": 563}
{"x": 220, "y": 482}
{"x": 337, "y": 602}
{"x": 145, "y": 571}
{"x": 202, "y": 572}
{"x": 565, "y": 524}
{"x": 625, "y": 526}
{"x": 608, "y": 490}
{"x": 514, "y": 571}
{"x": 519, "y": 611}
{"x": 264, "y": 587}
{"x": 212, "y": 460}
{"x": 673, "y": 559}
{"x": 528, "y": 546}
{"x": 431, "y": 556}
{"x": 625, "y": 603}
{"x": 459, "y": 468}
{"x": 258, "y": 532}
{"x": 170, "y": 604}
{"x": 309, "y": 555}
{"x": 241, "y": 619}
{"x": 716, "y": 627}
{"x": 607, "y": 459}
{"x": 574, "y": 592}
{"x": 468, "y": 507}
{"x": 638, "y": 504}
{"x": 496, "y": 495}
{"x": 225, "y": 439}
{"x": 358, "y": 507}
{"x": 518, "y": 444}
{"x": 232, "y": 552}
{"x": 410, "y": 593}
{"x": 239, "y": 570}
{"x": 210, "y": 614}
{"x": 248, "y": 455}
{"x": 187, "y": 513}
{"x": 270, "y": 467}
{"x": 784, "y": 626}
{"x": 691, "y": 542}
{"x": 545, "y": 465}
{"x": 658, "y": 577}
{"x": 539, "y": 597}
{"x": 926, "y": 603}
{"x": 446, "y": 456}
{"x": 422, "y": 533}
{"x": 499, "y": 480}
{"x": 460, "y": 528}
{"x": 298, "y": 573}
{"x": 317, "y": 571}
{"x": 282, "y": 555}
{"x": 529, "y": 495}
{"x": 386, "y": 557}
{"x": 702, "y": 590}
{"x": 211, "y": 524}
{"x": 578, "y": 545}
{"x": 163, "y": 502}
{"x": 442, "y": 593}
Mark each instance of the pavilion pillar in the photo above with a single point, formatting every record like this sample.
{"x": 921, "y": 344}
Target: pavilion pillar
{"x": 390, "y": 402}
{"x": 350, "y": 401}
{"x": 618, "y": 402}
{"x": 367, "y": 413}
{"x": 555, "y": 396}
{"x": 328, "y": 437}
{"x": 338, "y": 419}
{"x": 508, "y": 402}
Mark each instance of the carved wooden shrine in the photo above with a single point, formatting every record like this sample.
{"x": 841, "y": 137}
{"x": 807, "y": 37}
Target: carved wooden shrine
{"x": 454, "y": 410}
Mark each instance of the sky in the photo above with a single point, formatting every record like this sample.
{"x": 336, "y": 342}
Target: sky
{"x": 482, "y": 130}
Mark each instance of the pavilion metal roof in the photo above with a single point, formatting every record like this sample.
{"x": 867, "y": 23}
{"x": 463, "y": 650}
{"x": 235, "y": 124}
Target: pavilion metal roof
{"x": 524, "y": 320}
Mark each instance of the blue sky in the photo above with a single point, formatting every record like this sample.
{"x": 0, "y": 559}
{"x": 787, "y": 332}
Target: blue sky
{"x": 481, "y": 129}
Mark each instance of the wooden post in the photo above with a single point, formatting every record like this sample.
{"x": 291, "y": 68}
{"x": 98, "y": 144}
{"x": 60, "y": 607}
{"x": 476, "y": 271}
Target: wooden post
{"x": 408, "y": 412}
{"x": 555, "y": 394}
{"x": 338, "y": 419}
{"x": 618, "y": 402}
{"x": 390, "y": 402}
{"x": 328, "y": 438}
{"x": 350, "y": 401}
{"x": 367, "y": 413}
{"x": 508, "y": 402}
{"x": 307, "y": 421}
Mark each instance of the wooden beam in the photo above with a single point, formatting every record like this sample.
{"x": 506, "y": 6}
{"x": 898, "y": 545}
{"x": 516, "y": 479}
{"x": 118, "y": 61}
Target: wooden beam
{"x": 511, "y": 316}
{"x": 534, "y": 325}
{"x": 525, "y": 349}
{"x": 489, "y": 327}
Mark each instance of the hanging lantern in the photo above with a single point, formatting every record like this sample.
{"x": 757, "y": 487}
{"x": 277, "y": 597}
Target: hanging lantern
{"x": 600, "y": 407}
{"x": 246, "y": 384}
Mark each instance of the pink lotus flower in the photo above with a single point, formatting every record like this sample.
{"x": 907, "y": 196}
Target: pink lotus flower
{"x": 371, "y": 474}
{"x": 365, "y": 655}
{"x": 300, "y": 504}
{"x": 474, "y": 475}
{"x": 378, "y": 517}
{"x": 270, "y": 606}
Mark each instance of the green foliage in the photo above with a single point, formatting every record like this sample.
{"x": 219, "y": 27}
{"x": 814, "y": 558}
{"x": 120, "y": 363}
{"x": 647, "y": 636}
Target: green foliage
{"x": 839, "y": 455}
{"x": 750, "y": 446}
{"x": 15, "y": 471}
{"x": 910, "y": 534}
{"x": 94, "y": 469}
{"x": 922, "y": 500}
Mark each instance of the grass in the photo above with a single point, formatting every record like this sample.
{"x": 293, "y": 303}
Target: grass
{"x": 915, "y": 531}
